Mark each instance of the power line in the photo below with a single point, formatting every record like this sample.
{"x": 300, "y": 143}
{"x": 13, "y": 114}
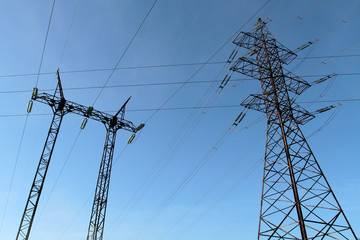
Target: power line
{"x": 74, "y": 218}
{"x": 68, "y": 34}
{"x": 155, "y": 66}
{"x": 159, "y": 166}
{"x": 327, "y": 122}
{"x": 125, "y": 51}
{"x": 209, "y": 59}
{"x": 184, "y": 108}
{"x": 299, "y": 18}
{"x": 14, "y": 170}
{"x": 168, "y": 155}
{"x": 172, "y": 46}
{"x": 26, "y": 120}
{"x": 167, "y": 83}
{"x": 195, "y": 170}
{"x": 46, "y": 37}
{"x": 221, "y": 198}
{"x": 108, "y": 69}
{"x": 212, "y": 187}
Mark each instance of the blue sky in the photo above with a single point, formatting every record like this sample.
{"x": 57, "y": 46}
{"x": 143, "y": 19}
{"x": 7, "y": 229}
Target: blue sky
{"x": 176, "y": 32}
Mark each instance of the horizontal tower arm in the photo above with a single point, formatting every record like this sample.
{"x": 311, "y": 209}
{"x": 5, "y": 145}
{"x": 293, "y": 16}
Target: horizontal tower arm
{"x": 85, "y": 111}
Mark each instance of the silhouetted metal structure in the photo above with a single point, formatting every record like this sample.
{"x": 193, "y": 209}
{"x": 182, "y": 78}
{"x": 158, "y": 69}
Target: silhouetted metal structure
{"x": 60, "y": 107}
{"x": 297, "y": 201}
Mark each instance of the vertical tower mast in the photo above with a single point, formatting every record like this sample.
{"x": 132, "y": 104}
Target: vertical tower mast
{"x": 36, "y": 188}
{"x": 97, "y": 219}
{"x": 297, "y": 202}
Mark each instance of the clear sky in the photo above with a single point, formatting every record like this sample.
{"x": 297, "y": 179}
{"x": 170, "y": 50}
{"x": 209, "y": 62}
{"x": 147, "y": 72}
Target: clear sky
{"x": 152, "y": 192}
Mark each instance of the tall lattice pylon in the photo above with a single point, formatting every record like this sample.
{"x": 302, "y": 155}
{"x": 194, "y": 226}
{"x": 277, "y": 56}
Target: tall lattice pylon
{"x": 60, "y": 107}
{"x": 297, "y": 201}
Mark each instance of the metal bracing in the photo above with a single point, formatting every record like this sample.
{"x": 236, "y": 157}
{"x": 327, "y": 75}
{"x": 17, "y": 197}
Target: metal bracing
{"x": 97, "y": 220}
{"x": 60, "y": 107}
{"x": 38, "y": 183}
{"x": 85, "y": 111}
{"x": 297, "y": 201}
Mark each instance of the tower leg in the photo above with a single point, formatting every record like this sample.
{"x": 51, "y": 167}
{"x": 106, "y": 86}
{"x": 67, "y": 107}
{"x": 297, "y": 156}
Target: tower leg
{"x": 38, "y": 183}
{"x": 97, "y": 220}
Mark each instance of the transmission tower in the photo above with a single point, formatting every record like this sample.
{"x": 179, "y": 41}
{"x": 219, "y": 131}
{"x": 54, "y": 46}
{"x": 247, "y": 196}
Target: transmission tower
{"x": 297, "y": 201}
{"x": 60, "y": 107}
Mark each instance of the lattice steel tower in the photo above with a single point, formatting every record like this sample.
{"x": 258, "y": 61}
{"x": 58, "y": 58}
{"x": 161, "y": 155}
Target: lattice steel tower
{"x": 60, "y": 107}
{"x": 297, "y": 201}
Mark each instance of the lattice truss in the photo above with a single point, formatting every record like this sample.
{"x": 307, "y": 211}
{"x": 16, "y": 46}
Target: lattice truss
{"x": 98, "y": 212}
{"x": 297, "y": 201}
{"x": 60, "y": 108}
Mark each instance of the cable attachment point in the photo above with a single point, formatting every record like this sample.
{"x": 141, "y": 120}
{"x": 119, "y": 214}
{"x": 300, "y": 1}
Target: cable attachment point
{"x": 89, "y": 111}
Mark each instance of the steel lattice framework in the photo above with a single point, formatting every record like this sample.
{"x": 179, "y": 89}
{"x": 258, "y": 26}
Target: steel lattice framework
{"x": 38, "y": 183}
{"x": 97, "y": 220}
{"x": 60, "y": 107}
{"x": 297, "y": 201}
{"x": 59, "y": 110}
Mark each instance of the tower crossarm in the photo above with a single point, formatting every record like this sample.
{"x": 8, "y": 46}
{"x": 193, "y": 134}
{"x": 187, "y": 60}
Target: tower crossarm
{"x": 89, "y": 112}
{"x": 254, "y": 102}
{"x": 249, "y": 40}
{"x": 300, "y": 114}
{"x": 295, "y": 84}
{"x": 291, "y": 112}
{"x": 251, "y": 68}
{"x": 246, "y": 66}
